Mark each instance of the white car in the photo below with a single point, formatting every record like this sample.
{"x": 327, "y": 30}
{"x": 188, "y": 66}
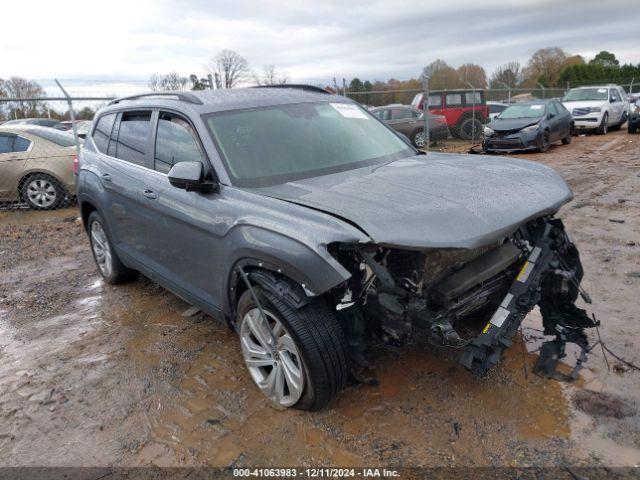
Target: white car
{"x": 496, "y": 108}
{"x": 597, "y": 108}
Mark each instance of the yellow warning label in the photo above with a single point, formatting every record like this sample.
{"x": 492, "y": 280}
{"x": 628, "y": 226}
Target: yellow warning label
{"x": 486, "y": 329}
{"x": 524, "y": 272}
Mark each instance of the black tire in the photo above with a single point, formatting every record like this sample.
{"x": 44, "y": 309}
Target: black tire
{"x": 465, "y": 127}
{"x": 118, "y": 273}
{"x": 544, "y": 142}
{"x": 632, "y": 128}
{"x": 319, "y": 339}
{"x": 43, "y": 192}
{"x": 604, "y": 127}
{"x": 415, "y": 141}
{"x": 567, "y": 140}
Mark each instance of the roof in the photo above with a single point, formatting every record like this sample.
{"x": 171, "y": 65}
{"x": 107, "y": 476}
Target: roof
{"x": 230, "y": 99}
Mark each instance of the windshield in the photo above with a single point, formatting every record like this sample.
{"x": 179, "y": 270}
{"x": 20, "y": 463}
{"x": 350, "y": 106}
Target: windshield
{"x": 272, "y": 145}
{"x": 523, "y": 111}
{"x": 580, "y": 94}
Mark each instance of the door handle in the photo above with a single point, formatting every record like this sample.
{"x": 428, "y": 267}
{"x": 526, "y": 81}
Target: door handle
{"x": 149, "y": 194}
{"x": 106, "y": 177}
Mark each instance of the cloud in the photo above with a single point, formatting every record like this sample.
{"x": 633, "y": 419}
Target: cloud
{"x": 311, "y": 41}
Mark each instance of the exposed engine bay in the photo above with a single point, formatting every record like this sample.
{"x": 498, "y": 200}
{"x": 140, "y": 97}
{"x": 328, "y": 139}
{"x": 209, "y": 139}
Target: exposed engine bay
{"x": 395, "y": 290}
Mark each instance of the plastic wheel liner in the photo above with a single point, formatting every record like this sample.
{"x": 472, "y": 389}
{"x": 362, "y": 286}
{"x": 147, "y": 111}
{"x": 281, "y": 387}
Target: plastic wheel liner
{"x": 550, "y": 278}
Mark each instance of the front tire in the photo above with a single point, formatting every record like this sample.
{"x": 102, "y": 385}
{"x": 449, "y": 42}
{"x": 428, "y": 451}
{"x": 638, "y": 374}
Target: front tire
{"x": 467, "y": 129}
{"x": 604, "y": 125}
{"x": 109, "y": 265}
{"x": 299, "y": 357}
{"x": 544, "y": 142}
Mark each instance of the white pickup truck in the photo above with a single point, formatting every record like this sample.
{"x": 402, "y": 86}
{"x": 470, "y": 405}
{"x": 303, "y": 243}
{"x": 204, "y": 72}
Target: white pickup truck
{"x": 598, "y": 108}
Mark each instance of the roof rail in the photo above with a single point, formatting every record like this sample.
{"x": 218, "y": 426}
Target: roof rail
{"x": 298, "y": 86}
{"x": 183, "y": 96}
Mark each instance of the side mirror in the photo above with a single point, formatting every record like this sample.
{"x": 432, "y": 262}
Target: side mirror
{"x": 188, "y": 176}
{"x": 611, "y": 100}
{"x": 550, "y": 115}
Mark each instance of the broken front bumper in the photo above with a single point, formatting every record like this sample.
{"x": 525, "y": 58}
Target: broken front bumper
{"x": 550, "y": 278}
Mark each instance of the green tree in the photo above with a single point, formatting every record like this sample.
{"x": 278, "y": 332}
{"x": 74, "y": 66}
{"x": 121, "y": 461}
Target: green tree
{"x": 606, "y": 59}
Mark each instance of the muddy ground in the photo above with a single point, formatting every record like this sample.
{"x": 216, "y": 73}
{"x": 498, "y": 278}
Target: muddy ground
{"x": 96, "y": 375}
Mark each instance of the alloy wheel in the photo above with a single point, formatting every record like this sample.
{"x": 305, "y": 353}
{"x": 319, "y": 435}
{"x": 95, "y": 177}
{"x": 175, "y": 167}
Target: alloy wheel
{"x": 272, "y": 357}
{"x": 101, "y": 249}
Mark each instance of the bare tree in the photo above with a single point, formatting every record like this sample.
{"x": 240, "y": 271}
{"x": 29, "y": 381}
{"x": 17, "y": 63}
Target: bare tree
{"x": 18, "y": 87}
{"x": 229, "y": 68}
{"x": 509, "y": 74}
{"x": 271, "y": 76}
{"x": 168, "y": 82}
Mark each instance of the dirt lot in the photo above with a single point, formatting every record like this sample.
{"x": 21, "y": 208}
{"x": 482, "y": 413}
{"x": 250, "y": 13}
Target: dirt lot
{"x": 92, "y": 374}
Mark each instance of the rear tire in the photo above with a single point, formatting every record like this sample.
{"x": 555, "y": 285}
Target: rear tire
{"x": 417, "y": 138}
{"x": 465, "y": 128}
{"x": 318, "y": 338}
{"x": 567, "y": 140}
{"x": 43, "y": 192}
{"x": 109, "y": 265}
{"x": 604, "y": 127}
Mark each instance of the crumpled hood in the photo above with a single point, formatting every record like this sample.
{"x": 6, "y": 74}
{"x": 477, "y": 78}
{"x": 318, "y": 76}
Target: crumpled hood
{"x": 434, "y": 201}
{"x": 500, "y": 125}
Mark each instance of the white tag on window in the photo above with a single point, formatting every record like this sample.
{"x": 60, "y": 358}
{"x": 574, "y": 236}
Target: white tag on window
{"x": 602, "y": 90}
{"x": 349, "y": 111}
{"x": 536, "y": 107}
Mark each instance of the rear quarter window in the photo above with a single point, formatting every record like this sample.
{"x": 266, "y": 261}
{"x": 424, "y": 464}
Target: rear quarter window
{"x": 102, "y": 131}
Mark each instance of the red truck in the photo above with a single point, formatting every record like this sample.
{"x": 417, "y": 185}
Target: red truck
{"x": 457, "y": 108}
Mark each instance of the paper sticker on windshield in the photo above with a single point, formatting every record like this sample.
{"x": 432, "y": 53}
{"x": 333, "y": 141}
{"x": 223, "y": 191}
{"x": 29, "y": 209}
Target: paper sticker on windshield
{"x": 349, "y": 111}
{"x": 536, "y": 107}
{"x": 602, "y": 90}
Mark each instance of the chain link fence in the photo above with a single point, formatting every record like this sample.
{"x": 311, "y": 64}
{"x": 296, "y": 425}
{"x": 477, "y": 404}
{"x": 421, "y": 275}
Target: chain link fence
{"x": 41, "y": 137}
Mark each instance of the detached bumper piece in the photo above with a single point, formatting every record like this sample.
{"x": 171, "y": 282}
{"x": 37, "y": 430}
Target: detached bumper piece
{"x": 550, "y": 278}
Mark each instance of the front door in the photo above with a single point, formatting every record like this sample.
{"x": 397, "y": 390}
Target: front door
{"x": 14, "y": 152}
{"x": 185, "y": 231}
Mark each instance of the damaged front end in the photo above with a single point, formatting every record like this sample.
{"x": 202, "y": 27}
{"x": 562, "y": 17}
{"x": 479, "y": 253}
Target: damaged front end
{"x": 395, "y": 290}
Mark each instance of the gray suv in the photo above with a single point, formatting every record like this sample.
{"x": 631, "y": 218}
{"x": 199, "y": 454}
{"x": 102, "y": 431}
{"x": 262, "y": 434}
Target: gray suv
{"x": 309, "y": 225}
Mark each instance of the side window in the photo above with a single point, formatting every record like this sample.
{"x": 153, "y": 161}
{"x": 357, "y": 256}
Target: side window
{"x": 435, "y": 101}
{"x": 6, "y": 143}
{"x": 416, "y": 113}
{"x": 496, "y": 108}
{"x": 133, "y": 134}
{"x": 400, "y": 113}
{"x": 103, "y": 131}
{"x": 382, "y": 114}
{"x": 616, "y": 95}
{"x": 454, "y": 99}
{"x": 468, "y": 98}
{"x": 554, "y": 108}
{"x": 21, "y": 144}
{"x": 175, "y": 142}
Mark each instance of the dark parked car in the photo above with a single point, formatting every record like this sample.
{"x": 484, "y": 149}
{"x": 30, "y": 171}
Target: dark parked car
{"x": 633, "y": 123}
{"x": 410, "y": 122}
{"x": 531, "y": 125}
{"x": 41, "y": 122}
{"x": 308, "y": 225}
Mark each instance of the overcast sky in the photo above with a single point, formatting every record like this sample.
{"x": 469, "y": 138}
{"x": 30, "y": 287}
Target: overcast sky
{"x": 310, "y": 41}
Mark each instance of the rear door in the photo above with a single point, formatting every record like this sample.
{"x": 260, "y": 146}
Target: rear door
{"x": 122, "y": 171}
{"x": 402, "y": 120}
{"x": 14, "y": 152}
{"x": 617, "y": 106}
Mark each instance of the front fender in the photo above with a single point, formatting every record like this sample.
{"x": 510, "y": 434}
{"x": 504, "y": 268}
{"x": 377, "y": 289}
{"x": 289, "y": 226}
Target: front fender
{"x": 314, "y": 269}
